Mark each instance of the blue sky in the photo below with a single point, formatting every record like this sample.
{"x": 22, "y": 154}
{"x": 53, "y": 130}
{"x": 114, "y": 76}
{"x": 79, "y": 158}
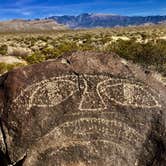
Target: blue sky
{"x": 10, "y": 9}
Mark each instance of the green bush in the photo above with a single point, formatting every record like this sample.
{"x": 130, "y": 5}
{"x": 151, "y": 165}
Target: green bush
{"x": 4, "y": 67}
{"x": 3, "y": 49}
{"x": 35, "y": 58}
{"x": 151, "y": 54}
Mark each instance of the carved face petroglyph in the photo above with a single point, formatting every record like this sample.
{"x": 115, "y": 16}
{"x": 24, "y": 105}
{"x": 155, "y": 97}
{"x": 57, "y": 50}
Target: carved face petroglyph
{"x": 99, "y": 138}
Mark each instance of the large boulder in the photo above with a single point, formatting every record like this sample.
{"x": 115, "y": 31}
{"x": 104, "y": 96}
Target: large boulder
{"x": 86, "y": 109}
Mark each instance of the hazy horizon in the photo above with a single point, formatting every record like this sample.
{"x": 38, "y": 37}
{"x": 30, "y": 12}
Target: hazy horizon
{"x": 30, "y": 9}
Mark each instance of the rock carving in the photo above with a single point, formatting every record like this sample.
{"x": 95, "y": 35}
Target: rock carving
{"x": 92, "y": 111}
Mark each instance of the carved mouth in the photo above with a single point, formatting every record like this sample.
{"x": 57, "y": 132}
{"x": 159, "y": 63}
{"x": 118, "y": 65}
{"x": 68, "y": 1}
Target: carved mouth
{"x": 90, "y": 140}
{"x": 85, "y": 129}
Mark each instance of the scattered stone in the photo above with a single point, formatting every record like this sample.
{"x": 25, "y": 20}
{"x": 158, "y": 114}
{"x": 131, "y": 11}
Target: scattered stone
{"x": 18, "y": 51}
{"x": 11, "y": 60}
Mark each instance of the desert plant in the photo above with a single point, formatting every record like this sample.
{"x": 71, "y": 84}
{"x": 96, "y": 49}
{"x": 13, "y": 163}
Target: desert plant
{"x": 3, "y": 49}
{"x": 36, "y": 57}
{"x": 4, "y": 67}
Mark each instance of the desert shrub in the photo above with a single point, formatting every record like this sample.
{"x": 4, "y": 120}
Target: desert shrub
{"x": 129, "y": 50}
{"x": 36, "y": 57}
{"x": 48, "y": 52}
{"x": 4, "y": 67}
{"x": 85, "y": 47}
{"x": 3, "y": 49}
{"x": 150, "y": 54}
{"x": 58, "y": 50}
{"x": 66, "y": 47}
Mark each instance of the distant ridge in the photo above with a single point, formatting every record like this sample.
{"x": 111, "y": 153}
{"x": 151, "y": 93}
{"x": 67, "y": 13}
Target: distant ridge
{"x": 19, "y": 25}
{"x": 93, "y": 20}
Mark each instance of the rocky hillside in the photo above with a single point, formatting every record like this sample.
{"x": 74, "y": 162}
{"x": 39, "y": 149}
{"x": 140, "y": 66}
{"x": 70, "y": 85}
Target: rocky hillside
{"x": 30, "y": 26}
{"x": 105, "y": 20}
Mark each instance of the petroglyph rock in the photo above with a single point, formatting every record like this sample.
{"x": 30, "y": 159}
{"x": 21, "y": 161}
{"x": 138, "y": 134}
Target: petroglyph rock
{"x": 92, "y": 110}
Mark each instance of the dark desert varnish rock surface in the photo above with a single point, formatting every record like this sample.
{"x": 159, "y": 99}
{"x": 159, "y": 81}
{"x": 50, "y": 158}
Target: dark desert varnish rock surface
{"x": 86, "y": 109}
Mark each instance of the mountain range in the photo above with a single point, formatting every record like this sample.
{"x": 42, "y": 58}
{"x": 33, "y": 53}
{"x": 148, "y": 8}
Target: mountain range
{"x": 75, "y": 22}
{"x": 87, "y": 20}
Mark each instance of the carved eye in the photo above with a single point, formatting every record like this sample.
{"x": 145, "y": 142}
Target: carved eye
{"x": 51, "y": 93}
{"x": 125, "y": 93}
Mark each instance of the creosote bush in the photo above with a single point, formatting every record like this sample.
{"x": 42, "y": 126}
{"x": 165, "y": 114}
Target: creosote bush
{"x": 3, "y": 49}
{"x": 150, "y": 55}
{"x": 35, "y": 58}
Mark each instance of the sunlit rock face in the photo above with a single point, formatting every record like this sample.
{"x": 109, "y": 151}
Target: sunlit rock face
{"x": 86, "y": 109}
